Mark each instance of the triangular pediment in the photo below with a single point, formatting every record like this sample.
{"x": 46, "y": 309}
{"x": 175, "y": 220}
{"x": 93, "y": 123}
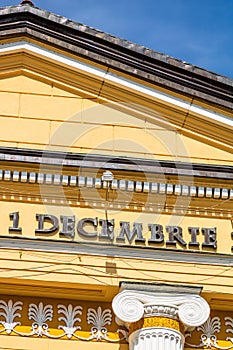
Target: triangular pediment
{"x": 140, "y": 128}
{"x": 73, "y": 67}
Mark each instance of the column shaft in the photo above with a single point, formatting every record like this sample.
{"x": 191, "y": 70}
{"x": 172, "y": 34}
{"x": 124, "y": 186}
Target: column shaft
{"x": 156, "y": 339}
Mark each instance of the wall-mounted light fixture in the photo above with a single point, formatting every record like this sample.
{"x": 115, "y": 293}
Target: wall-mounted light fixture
{"x": 107, "y": 176}
{"x": 107, "y": 179}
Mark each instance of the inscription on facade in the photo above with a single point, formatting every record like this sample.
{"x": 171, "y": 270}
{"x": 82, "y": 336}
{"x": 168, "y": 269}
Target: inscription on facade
{"x": 95, "y": 229}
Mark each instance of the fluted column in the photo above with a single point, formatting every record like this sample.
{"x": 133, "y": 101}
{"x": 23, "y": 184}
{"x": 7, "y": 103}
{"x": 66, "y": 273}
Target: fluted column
{"x": 157, "y": 315}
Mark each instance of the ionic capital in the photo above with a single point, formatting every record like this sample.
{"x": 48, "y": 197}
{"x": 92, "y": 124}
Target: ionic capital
{"x": 132, "y": 305}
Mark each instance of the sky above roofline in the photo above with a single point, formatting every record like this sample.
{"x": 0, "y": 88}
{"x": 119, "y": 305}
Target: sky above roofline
{"x": 199, "y": 32}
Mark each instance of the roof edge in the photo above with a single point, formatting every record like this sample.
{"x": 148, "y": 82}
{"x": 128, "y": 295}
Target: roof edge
{"x": 140, "y": 49}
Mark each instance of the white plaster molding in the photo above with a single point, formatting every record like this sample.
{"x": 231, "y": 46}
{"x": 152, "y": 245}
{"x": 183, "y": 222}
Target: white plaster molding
{"x": 114, "y": 78}
{"x": 130, "y": 306}
{"x": 122, "y": 184}
{"x": 161, "y": 310}
{"x": 42, "y": 314}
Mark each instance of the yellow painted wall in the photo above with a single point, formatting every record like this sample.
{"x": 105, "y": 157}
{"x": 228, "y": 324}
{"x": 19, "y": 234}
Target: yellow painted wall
{"x": 28, "y": 222}
{"x": 92, "y": 272}
{"x": 9, "y": 343}
{"x": 40, "y": 115}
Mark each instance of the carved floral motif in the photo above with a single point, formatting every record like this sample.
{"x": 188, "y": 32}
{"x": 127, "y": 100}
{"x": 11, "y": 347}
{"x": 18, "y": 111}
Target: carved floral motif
{"x": 69, "y": 318}
{"x": 10, "y": 313}
{"x": 229, "y": 322}
{"x": 209, "y": 338}
{"x": 209, "y": 328}
{"x": 41, "y": 314}
{"x": 99, "y": 319}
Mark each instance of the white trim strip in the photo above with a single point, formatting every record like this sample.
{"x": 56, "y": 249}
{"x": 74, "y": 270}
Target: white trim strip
{"x": 117, "y": 79}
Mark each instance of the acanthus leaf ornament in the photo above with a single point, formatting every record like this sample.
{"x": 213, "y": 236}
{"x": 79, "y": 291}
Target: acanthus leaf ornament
{"x": 209, "y": 338}
{"x": 10, "y": 313}
{"x": 99, "y": 319}
{"x": 70, "y": 318}
{"x": 209, "y": 328}
{"x": 40, "y": 314}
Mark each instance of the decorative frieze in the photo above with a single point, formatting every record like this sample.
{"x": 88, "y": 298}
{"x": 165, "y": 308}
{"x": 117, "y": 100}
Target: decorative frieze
{"x": 122, "y": 184}
{"x": 69, "y": 319}
{"x": 60, "y": 321}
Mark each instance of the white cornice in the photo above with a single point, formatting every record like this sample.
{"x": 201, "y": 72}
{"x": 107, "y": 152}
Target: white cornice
{"x": 128, "y": 185}
{"x": 115, "y": 79}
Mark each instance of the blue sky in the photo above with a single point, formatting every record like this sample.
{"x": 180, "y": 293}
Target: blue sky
{"x": 196, "y": 31}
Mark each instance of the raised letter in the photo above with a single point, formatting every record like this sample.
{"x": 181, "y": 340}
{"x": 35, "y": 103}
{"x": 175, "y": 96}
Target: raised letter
{"x": 84, "y": 222}
{"x": 175, "y": 235}
{"x": 53, "y": 220}
{"x": 125, "y": 229}
{"x": 107, "y": 231}
{"x": 194, "y": 231}
{"x": 68, "y": 226}
{"x": 157, "y": 235}
{"x": 210, "y": 237}
{"x": 15, "y": 218}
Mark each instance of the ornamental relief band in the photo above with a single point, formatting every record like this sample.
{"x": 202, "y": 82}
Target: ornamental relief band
{"x": 69, "y": 321}
{"x": 95, "y": 229}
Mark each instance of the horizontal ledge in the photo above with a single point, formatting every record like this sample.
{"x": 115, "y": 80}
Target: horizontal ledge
{"x": 114, "y": 250}
{"x": 115, "y": 163}
{"x": 129, "y": 185}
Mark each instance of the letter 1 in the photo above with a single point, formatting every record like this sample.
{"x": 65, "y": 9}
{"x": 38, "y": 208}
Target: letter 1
{"x": 15, "y": 218}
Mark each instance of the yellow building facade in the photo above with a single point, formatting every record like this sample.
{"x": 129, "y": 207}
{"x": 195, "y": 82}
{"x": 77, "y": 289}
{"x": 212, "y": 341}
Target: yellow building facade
{"x": 116, "y": 192}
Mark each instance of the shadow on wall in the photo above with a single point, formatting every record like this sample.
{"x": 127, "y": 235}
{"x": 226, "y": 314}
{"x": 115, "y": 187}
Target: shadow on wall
{"x": 123, "y": 347}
